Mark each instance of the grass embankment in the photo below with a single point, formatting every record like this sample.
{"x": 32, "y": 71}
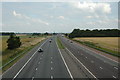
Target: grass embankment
{"x": 105, "y": 44}
{"x": 60, "y": 45}
{"x": 28, "y": 42}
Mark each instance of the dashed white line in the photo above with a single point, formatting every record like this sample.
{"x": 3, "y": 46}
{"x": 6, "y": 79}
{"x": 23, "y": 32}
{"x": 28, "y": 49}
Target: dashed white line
{"x": 40, "y": 58}
{"x": 116, "y": 68}
{"x": 104, "y": 61}
{"x": 101, "y": 68}
{"x": 92, "y": 61}
{"x": 85, "y": 57}
{"x": 38, "y": 62}
{"x": 101, "y": 55}
{"x": 27, "y": 61}
{"x": 82, "y": 64}
{"x": 65, "y": 63}
{"x": 51, "y": 77}
{"x": 51, "y": 62}
{"x": 32, "y": 78}
{"x": 51, "y": 57}
{"x": 113, "y": 76}
{"x": 51, "y": 68}
{"x": 36, "y": 69}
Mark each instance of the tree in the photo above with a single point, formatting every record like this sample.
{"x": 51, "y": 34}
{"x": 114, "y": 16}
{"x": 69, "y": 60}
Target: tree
{"x": 46, "y": 33}
{"x": 13, "y": 41}
{"x": 95, "y": 33}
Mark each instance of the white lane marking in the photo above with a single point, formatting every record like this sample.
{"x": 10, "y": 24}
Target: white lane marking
{"x": 82, "y": 64}
{"x": 38, "y": 62}
{"x": 51, "y": 68}
{"x": 36, "y": 69}
{"x": 101, "y": 55}
{"x": 64, "y": 62}
{"x": 51, "y": 77}
{"x": 98, "y": 54}
{"x": 28, "y": 61}
{"x": 51, "y": 62}
{"x": 101, "y": 68}
{"x": 85, "y": 57}
{"x": 81, "y": 54}
{"x": 92, "y": 61}
{"x": 51, "y": 57}
{"x": 40, "y": 58}
{"x": 104, "y": 61}
{"x": 113, "y": 76}
{"x": 32, "y": 78}
{"x": 116, "y": 68}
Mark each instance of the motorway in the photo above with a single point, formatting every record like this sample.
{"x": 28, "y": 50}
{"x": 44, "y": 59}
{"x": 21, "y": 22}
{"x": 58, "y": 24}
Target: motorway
{"x": 73, "y": 62}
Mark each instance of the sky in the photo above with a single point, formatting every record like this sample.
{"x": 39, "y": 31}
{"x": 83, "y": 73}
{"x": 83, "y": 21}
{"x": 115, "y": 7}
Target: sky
{"x": 58, "y": 16}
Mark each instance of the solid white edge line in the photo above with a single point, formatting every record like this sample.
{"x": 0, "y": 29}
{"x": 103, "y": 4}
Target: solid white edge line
{"x": 64, "y": 62}
{"x": 10, "y": 68}
{"x": 113, "y": 76}
{"x": 82, "y": 64}
{"x": 101, "y": 68}
{"x": 116, "y": 68}
{"x": 32, "y": 78}
{"x": 27, "y": 62}
{"x": 51, "y": 68}
{"x": 100, "y": 54}
{"x": 51, "y": 77}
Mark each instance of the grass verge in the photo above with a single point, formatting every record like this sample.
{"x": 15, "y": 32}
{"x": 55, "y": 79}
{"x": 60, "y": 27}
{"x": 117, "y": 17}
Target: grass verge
{"x": 60, "y": 45}
{"x": 13, "y": 59}
{"x": 93, "y": 45}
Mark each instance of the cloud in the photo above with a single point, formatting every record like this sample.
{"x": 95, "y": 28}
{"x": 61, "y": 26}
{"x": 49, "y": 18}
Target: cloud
{"x": 89, "y": 16}
{"x": 61, "y": 17}
{"x": 16, "y": 14}
{"x": 92, "y": 7}
{"x": 29, "y": 18}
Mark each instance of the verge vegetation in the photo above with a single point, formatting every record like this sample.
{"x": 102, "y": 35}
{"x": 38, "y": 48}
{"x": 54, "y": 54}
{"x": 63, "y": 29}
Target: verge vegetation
{"x": 60, "y": 45}
{"x": 105, "y": 44}
{"x": 27, "y": 43}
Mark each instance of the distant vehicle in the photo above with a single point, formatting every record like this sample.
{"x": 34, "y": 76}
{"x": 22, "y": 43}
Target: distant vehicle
{"x": 62, "y": 35}
{"x": 40, "y": 50}
{"x": 50, "y": 41}
{"x": 71, "y": 42}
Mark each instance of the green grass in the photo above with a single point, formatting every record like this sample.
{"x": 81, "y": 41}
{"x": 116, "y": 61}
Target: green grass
{"x": 93, "y": 45}
{"x": 11, "y": 54}
{"x": 60, "y": 45}
{"x": 14, "y": 61}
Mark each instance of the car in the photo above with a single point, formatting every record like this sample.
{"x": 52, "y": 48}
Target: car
{"x": 50, "y": 41}
{"x": 40, "y": 50}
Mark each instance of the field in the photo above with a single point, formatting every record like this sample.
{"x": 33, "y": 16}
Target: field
{"x": 108, "y": 43}
{"x": 28, "y": 42}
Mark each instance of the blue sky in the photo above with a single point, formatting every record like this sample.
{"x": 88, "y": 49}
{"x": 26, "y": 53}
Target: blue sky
{"x": 58, "y": 16}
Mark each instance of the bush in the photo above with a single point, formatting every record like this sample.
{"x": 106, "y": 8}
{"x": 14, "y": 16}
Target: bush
{"x": 13, "y": 42}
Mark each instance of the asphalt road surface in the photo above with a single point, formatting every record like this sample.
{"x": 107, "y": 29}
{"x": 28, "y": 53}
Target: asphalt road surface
{"x": 71, "y": 63}
{"x": 99, "y": 66}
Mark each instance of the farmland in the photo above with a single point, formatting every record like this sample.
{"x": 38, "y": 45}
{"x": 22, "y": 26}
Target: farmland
{"x": 108, "y": 43}
{"x": 28, "y": 42}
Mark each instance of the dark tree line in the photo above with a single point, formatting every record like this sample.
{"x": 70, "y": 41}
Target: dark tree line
{"x": 95, "y": 33}
{"x": 6, "y": 33}
{"x": 13, "y": 41}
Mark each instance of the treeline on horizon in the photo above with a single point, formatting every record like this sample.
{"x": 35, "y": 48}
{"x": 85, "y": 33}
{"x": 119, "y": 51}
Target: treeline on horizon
{"x": 95, "y": 33}
{"x": 33, "y": 34}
